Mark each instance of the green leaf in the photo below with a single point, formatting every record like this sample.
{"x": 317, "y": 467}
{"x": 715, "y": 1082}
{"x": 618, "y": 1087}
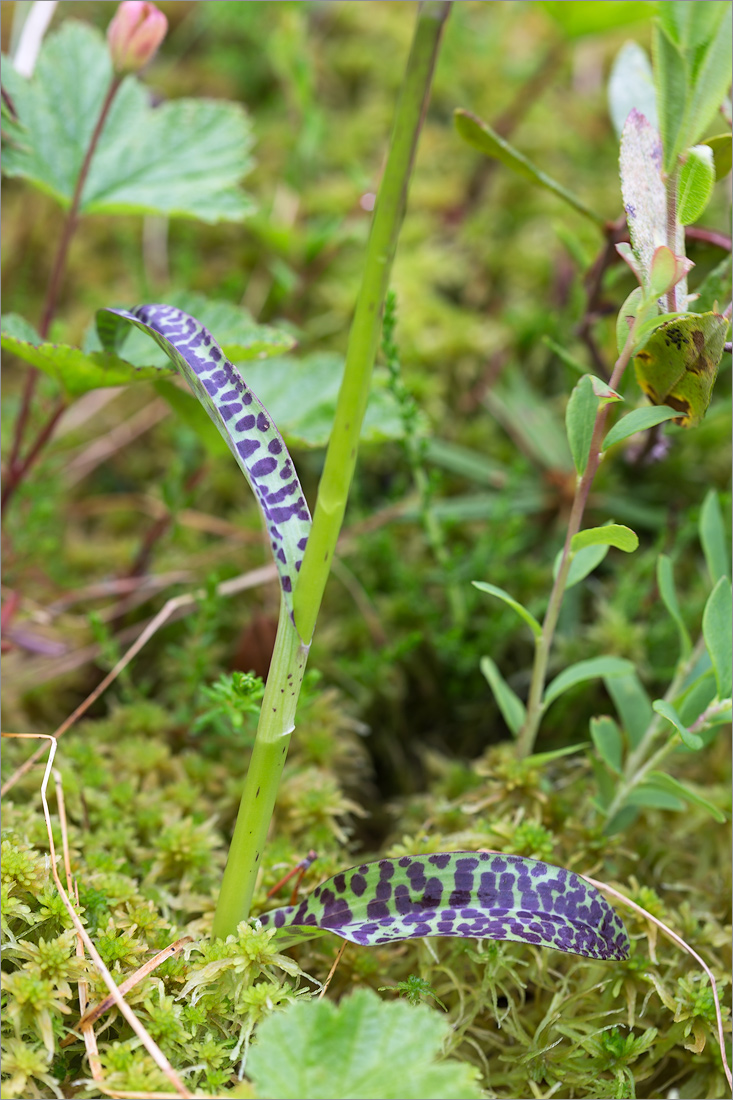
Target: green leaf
{"x": 238, "y": 415}
{"x": 606, "y": 737}
{"x": 637, "y": 309}
{"x": 661, "y": 706}
{"x": 75, "y": 371}
{"x": 301, "y": 396}
{"x": 664, "y": 782}
{"x": 362, "y": 1047}
{"x": 711, "y": 81}
{"x": 472, "y": 894}
{"x": 717, "y": 630}
{"x": 679, "y": 364}
{"x": 631, "y": 84}
{"x": 580, "y": 419}
{"x": 697, "y": 696}
{"x": 529, "y": 619}
{"x": 713, "y": 538}
{"x": 578, "y": 19}
{"x": 722, "y": 147}
{"x": 650, "y": 796}
{"x": 690, "y": 25}
{"x": 183, "y": 158}
{"x": 639, "y": 420}
{"x": 482, "y": 137}
{"x": 510, "y": 705}
{"x": 528, "y": 419}
{"x": 672, "y": 81}
{"x": 592, "y": 669}
{"x": 632, "y": 704}
{"x": 465, "y": 462}
{"x": 696, "y": 182}
{"x": 646, "y": 329}
{"x": 668, "y": 592}
{"x": 613, "y": 534}
{"x": 582, "y": 563}
{"x": 716, "y": 288}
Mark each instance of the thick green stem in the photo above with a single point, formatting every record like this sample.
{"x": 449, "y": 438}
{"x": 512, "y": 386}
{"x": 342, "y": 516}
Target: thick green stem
{"x": 277, "y": 717}
{"x": 366, "y": 325}
{"x": 277, "y": 722}
{"x": 528, "y": 732}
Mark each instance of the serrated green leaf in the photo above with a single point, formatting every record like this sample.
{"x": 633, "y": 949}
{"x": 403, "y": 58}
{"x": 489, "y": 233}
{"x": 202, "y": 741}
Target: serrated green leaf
{"x": 76, "y": 371}
{"x": 631, "y": 84}
{"x": 612, "y": 534}
{"x": 607, "y": 739}
{"x": 595, "y": 668}
{"x": 183, "y": 158}
{"x": 718, "y": 633}
{"x": 511, "y": 706}
{"x": 668, "y": 592}
{"x": 639, "y": 420}
{"x": 691, "y": 740}
{"x": 580, "y": 418}
{"x": 474, "y": 894}
{"x": 713, "y": 538}
{"x": 529, "y": 619}
{"x": 632, "y": 704}
{"x": 695, "y": 185}
{"x": 664, "y": 782}
{"x": 482, "y": 137}
{"x": 362, "y": 1047}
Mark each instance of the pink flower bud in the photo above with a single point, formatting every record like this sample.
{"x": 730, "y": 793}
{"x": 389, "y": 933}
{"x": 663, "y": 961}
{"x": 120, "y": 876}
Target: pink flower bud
{"x": 134, "y": 35}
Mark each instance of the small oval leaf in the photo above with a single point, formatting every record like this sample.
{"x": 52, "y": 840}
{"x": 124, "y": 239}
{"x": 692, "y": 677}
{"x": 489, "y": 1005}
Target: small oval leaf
{"x": 500, "y": 594}
{"x": 613, "y": 534}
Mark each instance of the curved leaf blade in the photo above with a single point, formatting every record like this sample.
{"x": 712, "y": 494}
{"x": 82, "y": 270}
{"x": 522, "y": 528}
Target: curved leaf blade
{"x": 482, "y": 137}
{"x": 470, "y": 894}
{"x": 591, "y": 669}
{"x": 638, "y": 421}
{"x": 515, "y": 605}
{"x": 241, "y": 419}
{"x": 612, "y": 534}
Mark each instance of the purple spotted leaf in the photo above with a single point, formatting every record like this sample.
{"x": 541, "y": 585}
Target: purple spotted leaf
{"x": 240, "y": 417}
{"x": 469, "y": 894}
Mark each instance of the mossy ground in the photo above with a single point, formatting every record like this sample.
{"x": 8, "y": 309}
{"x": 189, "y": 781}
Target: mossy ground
{"x": 399, "y": 747}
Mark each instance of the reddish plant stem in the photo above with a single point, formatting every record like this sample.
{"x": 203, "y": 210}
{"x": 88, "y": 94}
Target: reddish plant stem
{"x": 17, "y": 467}
{"x": 528, "y": 733}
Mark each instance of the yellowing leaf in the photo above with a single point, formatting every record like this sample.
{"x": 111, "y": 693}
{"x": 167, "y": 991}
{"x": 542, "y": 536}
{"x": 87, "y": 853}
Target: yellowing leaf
{"x": 679, "y": 363}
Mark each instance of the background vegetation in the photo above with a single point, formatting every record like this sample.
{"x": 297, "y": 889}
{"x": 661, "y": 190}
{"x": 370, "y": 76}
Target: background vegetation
{"x": 399, "y": 746}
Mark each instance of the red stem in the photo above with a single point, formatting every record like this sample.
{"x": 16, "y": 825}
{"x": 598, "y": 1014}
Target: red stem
{"x": 17, "y": 468}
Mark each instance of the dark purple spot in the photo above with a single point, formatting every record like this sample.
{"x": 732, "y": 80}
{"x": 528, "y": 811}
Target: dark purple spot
{"x": 275, "y": 447}
{"x": 262, "y": 422}
{"x": 264, "y": 467}
{"x": 247, "y": 447}
{"x": 358, "y": 884}
{"x": 245, "y": 424}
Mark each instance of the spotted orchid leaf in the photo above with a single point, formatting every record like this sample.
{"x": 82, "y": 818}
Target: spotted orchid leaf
{"x": 468, "y": 894}
{"x": 240, "y": 417}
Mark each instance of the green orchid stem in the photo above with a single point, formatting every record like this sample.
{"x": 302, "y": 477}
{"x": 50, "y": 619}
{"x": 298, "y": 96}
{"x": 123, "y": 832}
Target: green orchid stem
{"x": 277, "y": 717}
{"x": 366, "y": 325}
{"x": 535, "y": 709}
{"x": 277, "y": 722}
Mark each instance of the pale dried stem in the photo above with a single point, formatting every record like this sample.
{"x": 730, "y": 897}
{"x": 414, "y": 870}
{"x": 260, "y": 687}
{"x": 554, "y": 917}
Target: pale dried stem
{"x": 686, "y": 947}
{"x": 332, "y": 971}
{"x": 93, "y": 1014}
{"x": 147, "y": 1041}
